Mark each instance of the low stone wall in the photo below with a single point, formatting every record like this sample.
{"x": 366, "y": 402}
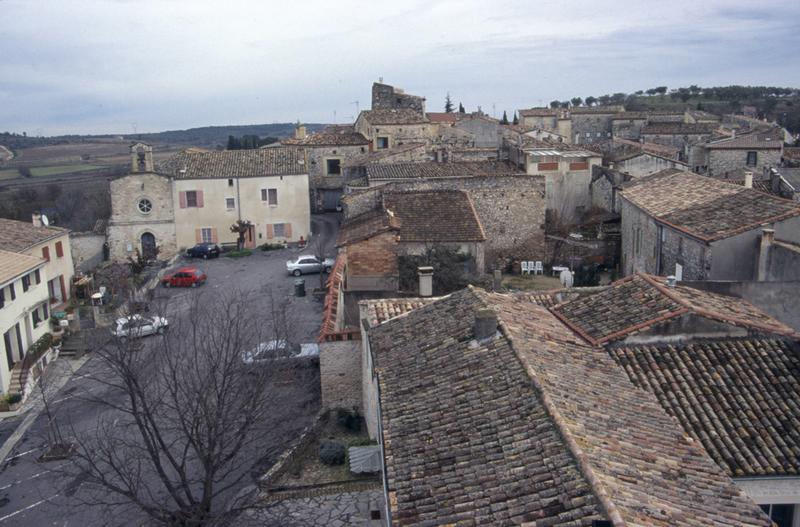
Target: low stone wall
{"x": 87, "y": 249}
{"x": 340, "y": 375}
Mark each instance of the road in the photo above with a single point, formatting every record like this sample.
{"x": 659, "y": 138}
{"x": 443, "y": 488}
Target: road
{"x": 34, "y": 493}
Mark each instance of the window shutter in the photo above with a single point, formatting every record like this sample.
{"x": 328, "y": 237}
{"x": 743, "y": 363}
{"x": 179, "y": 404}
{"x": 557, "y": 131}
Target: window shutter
{"x": 45, "y": 311}
{"x": 59, "y": 249}
{"x": 198, "y": 235}
{"x": 214, "y": 235}
{"x": 46, "y": 253}
{"x": 287, "y": 230}
{"x": 199, "y": 199}
{"x": 2, "y": 297}
{"x": 38, "y": 276}
{"x": 270, "y": 232}
{"x": 13, "y": 292}
{"x": 182, "y": 199}
{"x": 63, "y": 289}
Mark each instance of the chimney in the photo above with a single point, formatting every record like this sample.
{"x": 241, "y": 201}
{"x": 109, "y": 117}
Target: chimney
{"x": 748, "y": 179}
{"x": 36, "y": 217}
{"x": 299, "y": 131}
{"x": 485, "y": 324}
{"x": 767, "y": 238}
{"x": 425, "y": 281}
{"x": 733, "y": 133}
{"x": 671, "y": 281}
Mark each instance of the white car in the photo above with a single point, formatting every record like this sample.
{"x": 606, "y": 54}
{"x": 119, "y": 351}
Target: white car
{"x": 265, "y": 352}
{"x": 136, "y": 326}
{"x": 309, "y": 264}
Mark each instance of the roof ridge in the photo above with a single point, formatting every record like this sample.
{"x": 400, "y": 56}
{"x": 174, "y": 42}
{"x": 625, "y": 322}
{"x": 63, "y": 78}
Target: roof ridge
{"x": 575, "y": 450}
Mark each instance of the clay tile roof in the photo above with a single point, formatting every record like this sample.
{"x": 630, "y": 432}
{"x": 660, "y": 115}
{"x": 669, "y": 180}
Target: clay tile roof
{"x": 757, "y": 141}
{"x": 531, "y": 426}
{"x": 652, "y": 148}
{"x": 236, "y": 163}
{"x": 394, "y": 116}
{"x": 339, "y": 136}
{"x": 435, "y": 216}
{"x": 538, "y": 112}
{"x": 641, "y": 301}
{"x": 738, "y": 397}
{"x": 442, "y": 117}
{"x": 366, "y": 226}
{"x": 706, "y": 208}
{"x": 19, "y": 236}
{"x": 433, "y": 169}
{"x": 679, "y": 128}
{"x": 13, "y": 265}
{"x": 383, "y": 154}
{"x": 385, "y": 309}
{"x": 791, "y": 153}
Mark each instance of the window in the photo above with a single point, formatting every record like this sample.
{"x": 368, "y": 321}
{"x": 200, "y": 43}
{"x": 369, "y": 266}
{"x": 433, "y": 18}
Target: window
{"x": 781, "y": 514}
{"x": 279, "y": 231}
{"x": 206, "y": 235}
{"x": 46, "y": 253}
{"x": 230, "y": 203}
{"x": 270, "y": 195}
{"x": 145, "y": 206}
{"x": 752, "y": 159}
{"x": 37, "y": 276}
{"x": 333, "y": 166}
{"x": 191, "y": 198}
{"x": 230, "y": 182}
{"x": 11, "y": 290}
{"x": 2, "y": 297}
{"x": 26, "y": 282}
{"x": 59, "y": 249}
{"x": 35, "y": 317}
{"x": 382, "y": 143}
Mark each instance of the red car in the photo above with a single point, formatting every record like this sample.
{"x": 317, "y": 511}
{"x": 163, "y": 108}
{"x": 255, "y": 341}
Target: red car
{"x": 184, "y": 277}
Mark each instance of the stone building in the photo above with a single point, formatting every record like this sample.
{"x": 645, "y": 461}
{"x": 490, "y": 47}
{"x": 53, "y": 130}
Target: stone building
{"x": 386, "y": 97}
{"x": 355, "y": 169}
{"x": 756, "y": 152}
{"x": 390, "y": 128}
{"x": 683, "y": 136}
{"x": 700, "y": 228}
{"x": 592, "y": 124}
{"x": 328, "y": 152}
{"x": 510, "y": 204}
{"x": 645, "y": 163}
{"x": 196, "y": 196}
{"x": 628, "y": 125}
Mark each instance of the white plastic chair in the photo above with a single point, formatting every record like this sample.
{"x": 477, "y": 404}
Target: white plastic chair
{"x": 538, "y": 268}
{"x": 526, "y": 267}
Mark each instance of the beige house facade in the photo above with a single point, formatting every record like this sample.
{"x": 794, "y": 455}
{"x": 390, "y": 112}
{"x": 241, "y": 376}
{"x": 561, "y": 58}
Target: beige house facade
{"x": 197, "y": 196}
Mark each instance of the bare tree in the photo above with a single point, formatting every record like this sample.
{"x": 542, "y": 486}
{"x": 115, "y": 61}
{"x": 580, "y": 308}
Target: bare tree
{"x": 187, "y": 416}
{"x": 240, "y": 228}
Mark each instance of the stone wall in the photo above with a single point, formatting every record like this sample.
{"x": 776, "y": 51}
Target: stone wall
{"x": 721, "y": 161}
{"x": 127, "y": 223}
{"x": 510, "y": 208}
{"x": 627, "y": 128}
{"x": 591, "y": 127}
{"x": 318, "y": 177}
{"x": 693, "y": 255}
{"x": 398, "y": 134}
{"x": 87, "y": 250}
{"x": 385, "y": 97}
{"x": 484, "y": 132}
{"x": 639, "y": 233}
{"x": 340, "y": 374}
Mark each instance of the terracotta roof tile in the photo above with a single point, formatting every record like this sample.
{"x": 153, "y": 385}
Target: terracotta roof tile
{"x": 236, "y": 163}
{"x": 757, "y": 141}
{"x": 642, "y": 301}
{"x": 432, "y": 169}
{"x": 739, "y": 397}
{"x": 330, "y": 137}
{"x": 679, "y": 128}
{"x": 706, "y": 208}
{"x": 366, "y": 226}
{"x": 434, "y": 215}
{"x": 383, "y": 154}
{"x": 469, "y": 426}
{"x": 19, "y": 236}
{"x": 385, "y": 309}
{"x": 13, "y": 265}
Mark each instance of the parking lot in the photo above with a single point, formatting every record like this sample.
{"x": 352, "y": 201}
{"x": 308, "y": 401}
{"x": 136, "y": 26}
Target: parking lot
{"x": 34, "y": 493}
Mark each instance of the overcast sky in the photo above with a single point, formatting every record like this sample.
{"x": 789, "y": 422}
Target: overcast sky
{"x": 85, "y": 66}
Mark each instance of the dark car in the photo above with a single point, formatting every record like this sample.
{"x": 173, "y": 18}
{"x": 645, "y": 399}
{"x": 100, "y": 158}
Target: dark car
{"x": 184, "y": 277}
{"x": 204, "y": 250}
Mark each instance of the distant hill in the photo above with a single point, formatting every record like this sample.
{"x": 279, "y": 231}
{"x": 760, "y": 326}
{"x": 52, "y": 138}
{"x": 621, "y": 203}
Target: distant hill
{"x": 213, "y": 136}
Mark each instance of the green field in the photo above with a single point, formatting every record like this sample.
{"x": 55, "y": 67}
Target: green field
{"x": 9, "y": 173}
{"x": 63, "y": 169}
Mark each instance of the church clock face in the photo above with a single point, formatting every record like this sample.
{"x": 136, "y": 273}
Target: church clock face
{"x": 145, "y": 206}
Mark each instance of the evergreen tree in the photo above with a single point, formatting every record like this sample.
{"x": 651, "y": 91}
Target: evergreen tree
{"x": 576, "y": 101}
{"x": 504, "y": 120}
{"x": 516, "y": 119}
{"x": 448, "y": 104}
{"x": 233, "y": 143}
{"x": 461, "y": 108}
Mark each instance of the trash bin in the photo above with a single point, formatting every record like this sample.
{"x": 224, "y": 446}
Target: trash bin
{"x": 299, "y": 287}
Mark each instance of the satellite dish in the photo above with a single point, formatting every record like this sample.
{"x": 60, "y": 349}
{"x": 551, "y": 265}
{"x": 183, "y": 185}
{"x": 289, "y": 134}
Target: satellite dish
{"x": 45, "y": 221}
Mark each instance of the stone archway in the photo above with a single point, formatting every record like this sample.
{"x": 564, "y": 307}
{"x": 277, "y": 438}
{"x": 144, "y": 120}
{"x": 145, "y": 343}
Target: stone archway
{"x": 149, "y": 246}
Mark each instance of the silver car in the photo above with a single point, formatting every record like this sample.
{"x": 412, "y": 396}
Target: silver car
{"x": 308, "y": 264}
{"x": 136, "y": 326}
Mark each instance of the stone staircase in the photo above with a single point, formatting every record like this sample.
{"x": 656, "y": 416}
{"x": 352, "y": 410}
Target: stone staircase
{"x": 19, "y": 377}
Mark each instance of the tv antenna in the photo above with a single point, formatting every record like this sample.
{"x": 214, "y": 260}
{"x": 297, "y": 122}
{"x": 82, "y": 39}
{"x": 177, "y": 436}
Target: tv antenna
{"x": 357, "y": 107}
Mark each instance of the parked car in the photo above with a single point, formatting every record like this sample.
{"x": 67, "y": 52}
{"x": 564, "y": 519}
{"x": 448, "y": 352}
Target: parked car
{"x": 204, "y": 251}
{"x": 308, "y": 264}
{"x": 136, "y": 326}
{"x": 184, "y": 277}
{"x": 265, "y": 352}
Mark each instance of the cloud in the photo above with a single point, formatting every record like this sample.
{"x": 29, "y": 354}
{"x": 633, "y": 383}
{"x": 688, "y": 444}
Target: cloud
{"x": 100, "y": 66}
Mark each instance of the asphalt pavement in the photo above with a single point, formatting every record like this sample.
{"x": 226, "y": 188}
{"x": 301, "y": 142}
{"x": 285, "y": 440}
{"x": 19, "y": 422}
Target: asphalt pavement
{"x": 35, "y": 493}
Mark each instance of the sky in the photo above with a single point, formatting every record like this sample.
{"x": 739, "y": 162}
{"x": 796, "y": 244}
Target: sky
{"x": 92, "y": 66}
